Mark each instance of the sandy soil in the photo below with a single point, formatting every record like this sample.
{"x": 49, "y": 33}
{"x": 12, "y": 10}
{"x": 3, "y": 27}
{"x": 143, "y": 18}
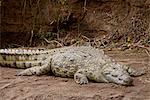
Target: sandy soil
{"x": 54, "y": 88}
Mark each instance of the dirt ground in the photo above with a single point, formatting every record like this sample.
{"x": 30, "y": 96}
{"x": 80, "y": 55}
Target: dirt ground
{"x": 54, "y": 88}
{"x": 126, "y": 21}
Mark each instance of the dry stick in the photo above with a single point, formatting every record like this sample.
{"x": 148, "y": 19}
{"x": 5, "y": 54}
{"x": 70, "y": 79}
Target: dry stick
{"x": 52, "y": 22}
{"x": 147, "y": 49}
{"x": 85, "y": 38}
{"x": 38, "y": 5}
{"x": 33, "y": 24}
{"x": 31, "y": 37}
{"x": 75, "y": 44}
{"x": 23, "y": 10}
{"x": 53, "y": 41}
{"x": 137, "y": 45}
{"x": 66, "y": 36}
{"x": 95, "y": 42}
{"x": 16, "y": 45}
{"x": 84, "y": 6}
{"x": 0, "y": 3}
{"x": 63, "y": 40}
{"x": 24, "y": 6}
{"x": 89, "y": 40}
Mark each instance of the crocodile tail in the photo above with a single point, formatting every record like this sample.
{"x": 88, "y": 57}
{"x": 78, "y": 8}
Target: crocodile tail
{"x": 21, "y": 64}
{"x": 21, "y": 58}
{"x": 21, "y": 54}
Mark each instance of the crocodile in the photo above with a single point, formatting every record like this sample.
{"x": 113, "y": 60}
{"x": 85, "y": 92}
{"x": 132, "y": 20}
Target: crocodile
{"x": 83, "y": 63}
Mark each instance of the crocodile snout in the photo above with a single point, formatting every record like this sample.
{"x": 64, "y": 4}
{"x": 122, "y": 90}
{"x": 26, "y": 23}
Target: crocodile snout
{"x": 128, "y": 81}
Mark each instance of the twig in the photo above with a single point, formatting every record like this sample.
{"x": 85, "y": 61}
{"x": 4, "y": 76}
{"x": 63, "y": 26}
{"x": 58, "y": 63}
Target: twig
{"x": 84, "y": 6}
{"x": 15, "y": 45}
{"x": 141, "y": 46}
{"x": 52, "y": 22}
{"x": 24, "y": 6}
{"x": 38, "y": 5}
{"x": 53, "y": 41}
{"x": 85, "y": 38}
{"x": 147, "y": 49}
{"x": 0, "y": 3}
{"x": 31, "y": 37}
{"x": 66, "y": 36}
{"x": 75, "y": 44}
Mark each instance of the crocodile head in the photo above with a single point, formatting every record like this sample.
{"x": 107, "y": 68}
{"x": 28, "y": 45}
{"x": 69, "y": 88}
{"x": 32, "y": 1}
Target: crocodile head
{"x": 114, "y": 73}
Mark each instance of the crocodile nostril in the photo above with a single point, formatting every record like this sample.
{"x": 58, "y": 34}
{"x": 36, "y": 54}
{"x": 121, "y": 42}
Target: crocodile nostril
{"x": 115, "y": 75}
{"x": 71, "y": 60}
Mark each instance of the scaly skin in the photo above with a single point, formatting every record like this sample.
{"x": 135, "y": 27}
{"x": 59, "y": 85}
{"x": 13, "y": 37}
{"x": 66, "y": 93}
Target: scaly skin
{"x": 83, "y": 63}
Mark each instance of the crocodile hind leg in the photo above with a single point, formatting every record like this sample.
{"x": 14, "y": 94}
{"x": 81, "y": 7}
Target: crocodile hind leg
{"x": 37, "y": 70}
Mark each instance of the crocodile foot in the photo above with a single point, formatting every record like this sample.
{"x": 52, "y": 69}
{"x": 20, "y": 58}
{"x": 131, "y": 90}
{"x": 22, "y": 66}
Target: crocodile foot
{"x": 80, "y": 78}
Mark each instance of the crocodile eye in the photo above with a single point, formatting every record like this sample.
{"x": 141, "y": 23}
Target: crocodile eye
{"x": 120, "y": 79}
{"x": 106, "y": 72}
{"x": 84, "y": 56}
{"x": 71, "y": 60}
{"x": 114, "y": 68}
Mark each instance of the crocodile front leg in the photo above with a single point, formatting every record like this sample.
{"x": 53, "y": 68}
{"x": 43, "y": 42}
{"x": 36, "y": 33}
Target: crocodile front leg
{"x": 37, "y": 70}
{"x": 80, "y": 78}
{"x": 93, "y": 74}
